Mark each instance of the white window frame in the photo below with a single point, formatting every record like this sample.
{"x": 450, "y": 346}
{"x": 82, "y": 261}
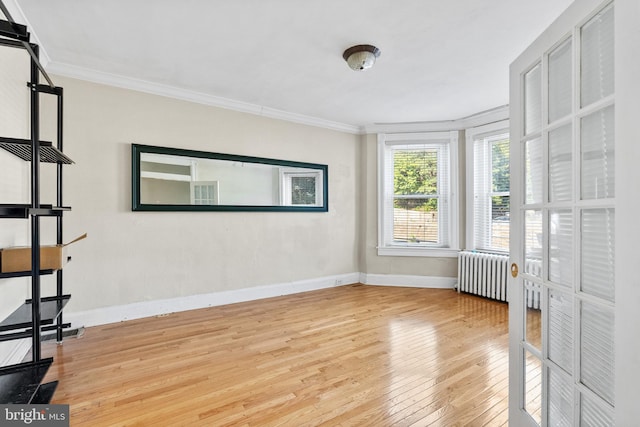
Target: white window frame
{"x": 472, "y": 135}
{"x": 286, "y": 176}
{"x": 386, "y": 246}
{"x": 215, "y": 191}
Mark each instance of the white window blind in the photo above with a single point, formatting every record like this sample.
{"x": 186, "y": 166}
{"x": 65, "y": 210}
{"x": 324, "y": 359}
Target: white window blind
{"x": 490, "y": 191}
{"x": 417, "y": 206}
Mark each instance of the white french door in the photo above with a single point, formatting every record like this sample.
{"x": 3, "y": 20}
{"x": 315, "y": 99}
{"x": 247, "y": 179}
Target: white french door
{"x": 562, "y": 292}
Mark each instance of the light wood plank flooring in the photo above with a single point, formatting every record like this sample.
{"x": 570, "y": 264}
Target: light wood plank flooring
{"x": 347, "y": 356}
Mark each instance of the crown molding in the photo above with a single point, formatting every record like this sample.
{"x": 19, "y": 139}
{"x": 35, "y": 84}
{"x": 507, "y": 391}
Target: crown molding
{"x": 95, "y": 76}
{"x": 483, "y": 118}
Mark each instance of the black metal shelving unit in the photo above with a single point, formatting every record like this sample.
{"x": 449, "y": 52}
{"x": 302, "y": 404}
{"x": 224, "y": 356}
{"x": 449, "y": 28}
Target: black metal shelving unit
{"x": 22, "y": 383}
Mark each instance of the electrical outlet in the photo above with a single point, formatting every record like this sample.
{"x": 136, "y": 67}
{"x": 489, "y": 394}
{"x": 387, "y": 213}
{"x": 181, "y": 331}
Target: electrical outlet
{"x": 339, "y": 282}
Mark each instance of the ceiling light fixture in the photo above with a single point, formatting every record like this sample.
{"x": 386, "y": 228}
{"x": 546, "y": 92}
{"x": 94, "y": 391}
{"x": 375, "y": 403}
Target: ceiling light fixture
{"x": 361, "y": 57}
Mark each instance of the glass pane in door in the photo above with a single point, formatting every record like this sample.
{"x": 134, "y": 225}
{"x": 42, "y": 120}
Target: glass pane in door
{"x": 533, "y": 319}
{"x": 533, "y": 100}
{"x": 597, "y": 350}
{"x": 597, "y": 148}
{"x": 560, "y": 399}
{"x": 561, "y": 329}
{"x": 533, "y": 387}
{"x": 560, "y": 74}
{"x": 597, "y": 56}
{"x": 533, "y": 242}
{"x": 533, "y": 170}
{"x": 561, "y": 247}
{"x": 593, "y": 415}
{"x": 597, "y": 249}
{"x": 560, "y": 164}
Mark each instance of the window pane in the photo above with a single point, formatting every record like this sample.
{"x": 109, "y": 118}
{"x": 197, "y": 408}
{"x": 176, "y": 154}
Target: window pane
{"x": 597, "y": 57}
{"x": 560, "y": 81}
{"x": 598, "y": 154}
{"x": 481, "y": 196}
{"x": 415, "y": 172}
{"x": 533, "y": 100}
{"x": 303, "y": 190}
{"x": 500, "y": 166}
{"x": 499, "y": 223}
{"x": 415, "y": 220}
{"x": 560, "y": 168}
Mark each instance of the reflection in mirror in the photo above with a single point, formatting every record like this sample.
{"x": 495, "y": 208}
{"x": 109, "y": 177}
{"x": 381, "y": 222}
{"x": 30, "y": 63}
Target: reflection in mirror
{"x": 176, "y": 180}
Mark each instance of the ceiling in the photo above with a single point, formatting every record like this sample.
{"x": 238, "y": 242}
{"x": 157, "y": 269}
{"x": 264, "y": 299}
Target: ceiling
{"x": 440, "y": 60}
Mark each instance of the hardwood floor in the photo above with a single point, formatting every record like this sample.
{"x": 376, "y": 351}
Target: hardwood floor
{"x": 347, "y": 356}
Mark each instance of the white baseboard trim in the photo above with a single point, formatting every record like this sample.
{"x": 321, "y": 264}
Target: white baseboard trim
{"x": 408, "y": 281}
{"x": 114, "y": 314}
{"x": 17, "y": 352}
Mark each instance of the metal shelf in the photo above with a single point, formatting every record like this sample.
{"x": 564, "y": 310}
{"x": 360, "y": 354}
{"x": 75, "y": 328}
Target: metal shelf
{"x": 14, "y": 30}
{"x": 20, "y": 383}
{"x": 24, "y": 274}
{"x": 50, "y": 308}
{"x": 22, "y": 149}
{"x": 23, "y": 210}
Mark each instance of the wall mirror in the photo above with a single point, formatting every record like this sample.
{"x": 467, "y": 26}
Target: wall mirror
{"x": 172, "y": 179}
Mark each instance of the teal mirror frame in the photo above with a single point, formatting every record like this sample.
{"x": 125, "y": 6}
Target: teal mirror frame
{"x": 136, "y": 197}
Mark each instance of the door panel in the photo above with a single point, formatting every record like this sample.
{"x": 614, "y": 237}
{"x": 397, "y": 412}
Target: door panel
{"x": 562, "y": 229}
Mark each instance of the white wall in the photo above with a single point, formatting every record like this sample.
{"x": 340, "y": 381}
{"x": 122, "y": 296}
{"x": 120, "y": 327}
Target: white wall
{"x": 132, "y": 257}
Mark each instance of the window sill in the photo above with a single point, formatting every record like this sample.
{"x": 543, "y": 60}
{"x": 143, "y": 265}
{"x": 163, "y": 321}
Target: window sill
{"x": 417, "y": 251}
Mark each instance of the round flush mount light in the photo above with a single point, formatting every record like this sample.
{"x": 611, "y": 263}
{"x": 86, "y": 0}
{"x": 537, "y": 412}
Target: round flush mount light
{"x": 361, "y": 57}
